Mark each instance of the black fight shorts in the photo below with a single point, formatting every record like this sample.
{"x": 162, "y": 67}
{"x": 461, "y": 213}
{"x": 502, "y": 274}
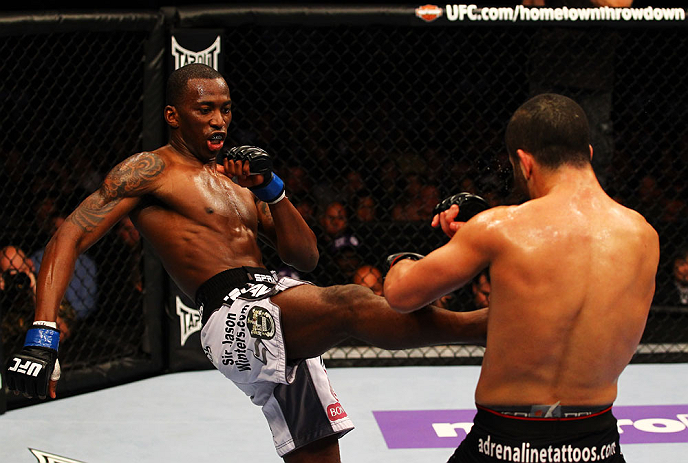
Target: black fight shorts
{"x": 497, "y": 437}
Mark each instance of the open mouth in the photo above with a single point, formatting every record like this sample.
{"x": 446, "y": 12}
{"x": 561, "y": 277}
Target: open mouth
{"x": 216, "y": 141}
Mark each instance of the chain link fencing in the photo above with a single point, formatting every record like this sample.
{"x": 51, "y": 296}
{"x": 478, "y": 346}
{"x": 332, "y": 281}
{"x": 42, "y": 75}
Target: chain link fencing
{"x": 72, "y": 108}
{"x": 370, "y": 126}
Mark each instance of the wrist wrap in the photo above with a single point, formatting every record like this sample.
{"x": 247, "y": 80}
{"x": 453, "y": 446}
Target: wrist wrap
{"x": 42, "y": 337}
{"x": 271, "y": 190}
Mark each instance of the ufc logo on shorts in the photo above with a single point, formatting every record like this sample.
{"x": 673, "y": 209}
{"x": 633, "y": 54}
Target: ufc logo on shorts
{"x": 28, "y": 368}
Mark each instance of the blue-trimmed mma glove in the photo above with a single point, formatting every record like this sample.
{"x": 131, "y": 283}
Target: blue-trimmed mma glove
{"x": 271, "y": 190}
{"x": 469, "y": 205}
{"x": 31, "y": 370}
{"x": 394, "y": 258}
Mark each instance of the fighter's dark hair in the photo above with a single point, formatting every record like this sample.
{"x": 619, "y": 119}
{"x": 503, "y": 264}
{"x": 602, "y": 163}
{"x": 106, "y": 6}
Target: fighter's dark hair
{"x": 176, "y": 83}
{"x": 553, "y": 128}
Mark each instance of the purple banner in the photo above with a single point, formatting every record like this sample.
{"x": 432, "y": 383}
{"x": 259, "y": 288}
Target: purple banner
{"x": 415, "y": 429}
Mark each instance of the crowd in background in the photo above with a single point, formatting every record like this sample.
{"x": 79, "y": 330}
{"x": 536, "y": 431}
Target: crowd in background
{"x": 363, "y": 203}
{"x": 365, "y": 155}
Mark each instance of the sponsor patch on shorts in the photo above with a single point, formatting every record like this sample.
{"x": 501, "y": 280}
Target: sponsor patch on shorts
{"x": 336, "y": 412}
{"x": 260, "y": 323}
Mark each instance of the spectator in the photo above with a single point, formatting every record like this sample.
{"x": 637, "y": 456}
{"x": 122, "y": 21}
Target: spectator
{"x": 448, "y": 302}
{"x": 44, "y": 207}
{"x": 82, "y": 292}
{"x": 14, "y": 172}
{"x": 298, "y": 183}
{"x": 439, "y": 165}
{"x": 14, "y": 261}
{"x": 330, "y": 187}
{"x": 338, "y": 246}
{"x": 83, "y": 174}
{"x": 418, "y": 200}
{"x": 308, "y": 211}
{"x": 672, "y": 287}
{"x": 343, "y": 258}
{"x": 492, "y": 198}
{"x": 387, "y": 187}
{"x": 369, "y": 276}
{"x": 479, "y": 295}
{"x": 366, "y": 208}
{"x": 649, "y": 198}
{"x": 334, "y": 222}
{"x": 408, "y": 203}
{"x": 355, "y": 186}
{"x": 468, "y": 185}
{"x": 429, "y": 197}
{"x": 123, "y": 281}
{"x": 18, "y": 299}
{"x": 674, "y": 211}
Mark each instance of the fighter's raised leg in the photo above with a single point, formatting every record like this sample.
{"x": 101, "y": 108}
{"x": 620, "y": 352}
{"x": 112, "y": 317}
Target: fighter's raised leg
{"x": 315, "y": 319}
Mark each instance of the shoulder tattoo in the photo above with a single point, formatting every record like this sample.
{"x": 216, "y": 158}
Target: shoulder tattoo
{"x": 133, "y": 176}
{"x": 129, "y": 178}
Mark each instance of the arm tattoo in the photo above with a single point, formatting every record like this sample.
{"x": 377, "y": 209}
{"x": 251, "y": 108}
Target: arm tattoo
{"x": 265, "y": 209}
{"x": 265, "y": 215}
{"x": 92, "y": 211}
{"x": 131, "y": 177}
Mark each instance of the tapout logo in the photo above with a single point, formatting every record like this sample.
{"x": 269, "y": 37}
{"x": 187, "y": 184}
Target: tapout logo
{"x": 189, "y": 320}
{"x": 210, "y": 56}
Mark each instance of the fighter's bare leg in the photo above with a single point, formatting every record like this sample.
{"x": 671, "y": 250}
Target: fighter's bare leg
{"x": 315, "y": 319}
{"x": 325, "y": 450}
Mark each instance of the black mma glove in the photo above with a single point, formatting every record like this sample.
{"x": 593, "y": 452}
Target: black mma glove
{"x": 272, "y": 188}
{"x": 31, "y": 370}
{"x": 394, "y": 258}
{"x": 469, "y": 205}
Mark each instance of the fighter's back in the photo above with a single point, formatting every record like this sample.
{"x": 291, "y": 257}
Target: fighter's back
{"x": 572, "y": 280}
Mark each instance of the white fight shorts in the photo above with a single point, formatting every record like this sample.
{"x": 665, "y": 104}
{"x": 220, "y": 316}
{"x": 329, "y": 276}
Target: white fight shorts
{"x": 242, "y": 338}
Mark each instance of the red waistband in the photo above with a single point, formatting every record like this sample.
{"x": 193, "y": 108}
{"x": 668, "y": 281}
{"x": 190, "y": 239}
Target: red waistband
{"x": 596, "y": 412}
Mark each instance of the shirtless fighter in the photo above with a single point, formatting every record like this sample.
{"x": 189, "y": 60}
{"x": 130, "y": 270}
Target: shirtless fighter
{"x": 203, "y": 219}
{"x": 572, "y": 275}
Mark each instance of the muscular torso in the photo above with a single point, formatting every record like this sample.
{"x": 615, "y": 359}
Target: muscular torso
{"x": 572, "y": 282}
{"x": 198, "y": 221}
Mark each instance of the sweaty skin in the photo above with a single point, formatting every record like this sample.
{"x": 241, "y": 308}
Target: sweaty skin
{"x": 202, "y": 219}
{"x": 572, "y": 276}
{"x": 198, "y": 220}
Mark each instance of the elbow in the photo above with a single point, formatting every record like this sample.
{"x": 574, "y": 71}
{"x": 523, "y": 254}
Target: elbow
{"x": 400, "y": 308}
{"x": 398, "y": 302}
{"x": 304, "y": 261}
{"x": 310, "y": 256}
{"x": 305, "y": 256}
{"x": 309, "y": 264}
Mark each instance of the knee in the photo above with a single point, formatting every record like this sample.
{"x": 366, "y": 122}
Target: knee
{"x": 351, "y": 300}
{"x": 349, "y": 296}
